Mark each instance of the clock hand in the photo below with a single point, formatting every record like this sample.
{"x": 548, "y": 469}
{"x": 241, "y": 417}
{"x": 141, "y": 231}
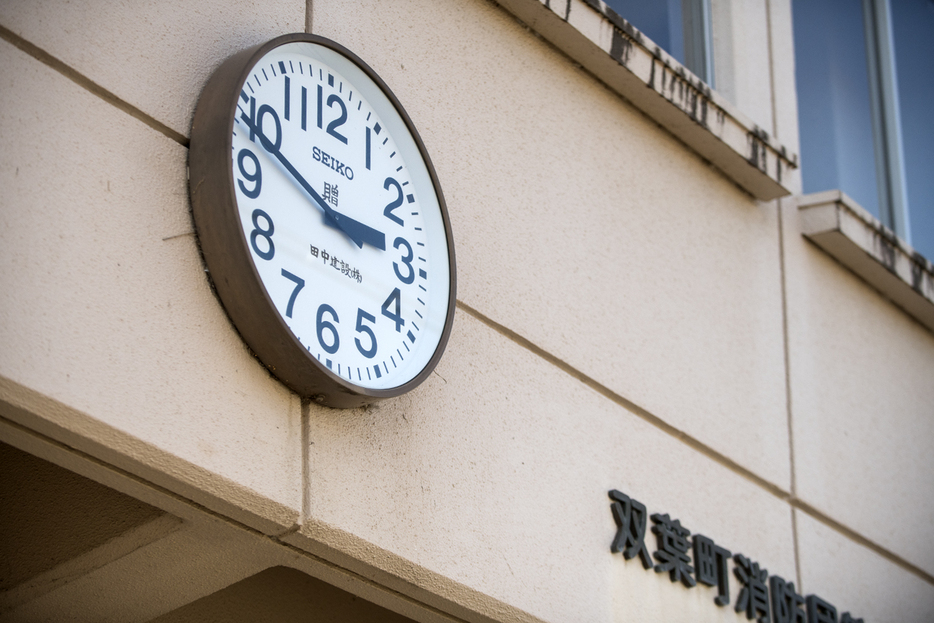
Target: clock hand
{"x": 355, "y": 230}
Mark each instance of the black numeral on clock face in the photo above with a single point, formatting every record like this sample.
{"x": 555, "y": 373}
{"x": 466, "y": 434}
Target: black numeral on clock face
{"x": 324, "y": 325}
{"x": 255, "y": 119}
{"x": 332, "y": 127}
{"x": 387, "y": 211}
{"x": 262, "y": 232}
{"x": 336, "y": 123}
{"x": 409, "y": 277}
{"x": 328, "y": 336}
{"x": 299, "y": 284}
{"x": 320, "y": 106}
{"x": 256, "y": 177}
{"x": 370, "y": 352}
{"x": 396, "y": 314}
{"x": 264, "y": 110}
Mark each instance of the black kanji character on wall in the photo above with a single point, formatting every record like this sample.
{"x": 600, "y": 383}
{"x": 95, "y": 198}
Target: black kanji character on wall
{"x": 786, "y": 603}
{"x": 672, "y": 549}
{"x": 848, "y": 618}
{"x": 754, "y": 596}
{"x": 631, "y": 518}
{"x": 710, "y": 562}
{"x": 819, "y": 611}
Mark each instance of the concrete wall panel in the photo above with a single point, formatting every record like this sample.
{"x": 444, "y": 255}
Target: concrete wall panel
{"x": 855, "y": 579}
{"x": 105, "y": 305}
{"x": 154, "y": 55}
{"x": 862, "y": 401}
{"x": 505, "y": 490}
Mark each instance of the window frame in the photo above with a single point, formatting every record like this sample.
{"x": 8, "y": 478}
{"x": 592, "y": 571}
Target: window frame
{"x": 886, "y": 117}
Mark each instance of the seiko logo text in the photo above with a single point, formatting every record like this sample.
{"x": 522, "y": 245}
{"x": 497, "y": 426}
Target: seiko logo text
{"x": 329, "y": 161}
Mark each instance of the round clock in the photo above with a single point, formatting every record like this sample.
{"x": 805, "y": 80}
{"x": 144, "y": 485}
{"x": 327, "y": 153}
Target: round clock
{"x": 321, "y": 221}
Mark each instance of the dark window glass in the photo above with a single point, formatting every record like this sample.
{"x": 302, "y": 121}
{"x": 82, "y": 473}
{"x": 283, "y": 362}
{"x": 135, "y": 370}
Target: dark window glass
{"x": 660, "y": 21}
{"x": 913, "y": 30}
{"x": 834, "y": 113}
{"x": 678, "y": 26}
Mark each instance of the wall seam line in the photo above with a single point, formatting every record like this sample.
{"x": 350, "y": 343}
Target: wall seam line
{"x": 306, "y": 456}
{"x": 803, "y": 506}
{"x": 695, "y": 444}
{"x": 637, "y": 410}
{"x": 89, "y": 85}
{"x": 794, "y": 537}
{"x": 786, "y": 352}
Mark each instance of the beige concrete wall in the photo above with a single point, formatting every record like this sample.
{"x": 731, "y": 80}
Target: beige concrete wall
{"x": 609, "y": 243}
{"x": 629, "y": 318}
{"x": 505, "y": 489}
{"x": 106, "y": 307}
{"x": 862, "y": 402}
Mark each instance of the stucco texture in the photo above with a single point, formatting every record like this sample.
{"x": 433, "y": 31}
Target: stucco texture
{"x": 154, "y": 55}
{"x": 105, "y": 305}
{"x": 863, "y": 402}
{"x": 505, "y": 490}
{"x": 586, "y": 228}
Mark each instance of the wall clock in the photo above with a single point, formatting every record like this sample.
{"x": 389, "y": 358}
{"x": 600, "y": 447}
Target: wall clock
{"x": 321, "y": 221}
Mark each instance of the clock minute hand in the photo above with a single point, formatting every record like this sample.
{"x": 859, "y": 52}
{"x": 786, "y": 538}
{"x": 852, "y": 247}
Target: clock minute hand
{"x": 358, "y": 232}
{"x": 274, "y": 150}
{"x": 355, "y": 230}
{"x": 332, "y": 218}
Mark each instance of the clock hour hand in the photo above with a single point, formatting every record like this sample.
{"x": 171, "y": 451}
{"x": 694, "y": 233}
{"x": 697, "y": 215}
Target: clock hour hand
{"x": 355, "y": 230}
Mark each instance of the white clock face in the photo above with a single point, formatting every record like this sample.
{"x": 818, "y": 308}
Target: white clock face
{"x": 342, "y": 219}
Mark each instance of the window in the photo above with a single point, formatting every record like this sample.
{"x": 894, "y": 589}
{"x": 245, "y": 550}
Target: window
{"x": 865, "y": 80}
{"x": 680, "y": 27}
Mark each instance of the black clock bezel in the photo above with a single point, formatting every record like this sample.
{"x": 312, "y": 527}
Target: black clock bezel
{"x": 226, "y": 250}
